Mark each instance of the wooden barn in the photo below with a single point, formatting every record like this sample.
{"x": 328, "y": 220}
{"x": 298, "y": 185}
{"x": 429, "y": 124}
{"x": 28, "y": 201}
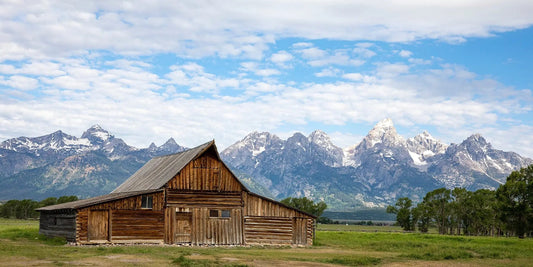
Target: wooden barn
{"x": 186, "y": 198}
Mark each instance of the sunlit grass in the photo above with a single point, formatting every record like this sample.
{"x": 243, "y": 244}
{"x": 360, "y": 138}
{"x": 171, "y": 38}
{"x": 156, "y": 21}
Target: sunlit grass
{"x": 20, "y": 241}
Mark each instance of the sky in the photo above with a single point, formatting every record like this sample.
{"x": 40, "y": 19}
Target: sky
{"x": 200, "y": 70}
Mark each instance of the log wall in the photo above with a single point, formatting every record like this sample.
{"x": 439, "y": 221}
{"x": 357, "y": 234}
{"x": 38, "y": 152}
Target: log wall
{"x": 205, "y": 173}
{"x": 204, "y": 199}
{"x": 124, "y": 220}
{"x": 259, "y": 206}
{"x": 133, "y": 203}
{"x": 267, "y": 221}
{"x": 58, "y": 224}
{"x": 137, "y": 225}
{"x": 268, "y": 230}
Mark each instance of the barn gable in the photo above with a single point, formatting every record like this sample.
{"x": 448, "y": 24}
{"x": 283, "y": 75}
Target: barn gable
{"x": 188, "y": 170}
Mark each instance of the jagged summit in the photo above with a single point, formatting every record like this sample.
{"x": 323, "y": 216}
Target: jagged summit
{"x": 385, "y": 133}
{"x": 477, "y": 138}
{"x": 424, "y": 146}
{"x": 382, "y": 136}
{"x": 97, "y": 134}
{"x": 384, "y": 124}
{"x": 319, "y": 137}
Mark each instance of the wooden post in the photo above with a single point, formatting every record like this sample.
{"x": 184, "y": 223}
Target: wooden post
{"x": 109, "y": 224}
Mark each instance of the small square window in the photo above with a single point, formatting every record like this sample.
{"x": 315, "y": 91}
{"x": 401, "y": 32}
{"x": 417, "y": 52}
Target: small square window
{"x": 147, "y": 202}
{"x": 213, "y": 213}
{"x": 225, "y": 214}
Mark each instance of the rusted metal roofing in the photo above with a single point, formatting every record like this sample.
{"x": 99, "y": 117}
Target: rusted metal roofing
{"x": 159, "y": 170}
{"x": 95, "y": 200}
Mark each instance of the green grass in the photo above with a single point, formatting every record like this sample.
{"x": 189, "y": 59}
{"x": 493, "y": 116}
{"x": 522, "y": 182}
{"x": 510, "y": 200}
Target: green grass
{"x": 364, "y": 228}
{"x": 21, "y": 243}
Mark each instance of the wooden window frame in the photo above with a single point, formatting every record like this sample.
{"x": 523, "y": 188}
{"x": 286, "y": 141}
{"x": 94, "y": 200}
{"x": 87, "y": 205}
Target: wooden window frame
{"x": 220, "y": 214}
{"x": 212, "y": 215}
{"x": 225, "y": 214}
{"x": 147, "y": 202}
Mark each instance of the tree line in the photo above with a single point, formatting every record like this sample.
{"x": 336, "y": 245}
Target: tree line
{"x": 507, "y": 211}
{"x": 25, "y": 209}
{"x": 309, "y": 206}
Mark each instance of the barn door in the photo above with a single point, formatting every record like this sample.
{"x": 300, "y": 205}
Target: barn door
{"x": 183, "y": 227}
{"x": 299, "y": 231}
{"x": 98, "y": 225}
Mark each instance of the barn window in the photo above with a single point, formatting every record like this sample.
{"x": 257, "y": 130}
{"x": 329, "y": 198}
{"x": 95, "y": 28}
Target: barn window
{"x": 213, "y": 213}
{"x": 147, "y": 202}
{"x": 225, "y": 214}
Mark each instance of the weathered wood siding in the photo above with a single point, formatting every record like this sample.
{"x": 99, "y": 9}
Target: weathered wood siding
{"x": 137, "y": 225}
{"x": 124, "y": 220}
{"x": 204, "y": 199}
{"x": 133, "y": 203}
{"x": 303, "y": 231}
{"x": 259, "y": 206}
{"x": 268, "y": 222}
{"x": 98, "y": 226}
{"x": 205, "y": 173}
{"x": 59, "y": 224}
{"x": 268, "y": 230}
{"x": 205, "y": 230}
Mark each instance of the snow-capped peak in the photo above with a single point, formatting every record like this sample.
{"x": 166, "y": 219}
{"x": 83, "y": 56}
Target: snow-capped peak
{"x": 97, "y": 134}
{"x": 384, "y": 124}
{"x": 383, "y": 132}
{"x": 423, "y": 147}
{"x": 320, "y": 138}
{"x": 254, "y": 143}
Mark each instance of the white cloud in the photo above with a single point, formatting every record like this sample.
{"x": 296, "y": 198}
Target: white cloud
{"x": 95, "y": 62}
{"x": 257, "y": 70}
{"x": 353, "y": 76}
{"x": 281, "y": 57}
{"x": 364, "y": 52}
{"x": 405, "y": 53}
{"x": 21, "y": 82}
{"x": 130, "y": 103}
{"x": 267, "y": 72}
{"x": 419, "y": 61}
{"x": 359, "y": 77}
{"x": 389, "y": 70}
{"x": 207, "y": 28}
{"x": 328, "y": 72}
{"x": 317, "y": 57}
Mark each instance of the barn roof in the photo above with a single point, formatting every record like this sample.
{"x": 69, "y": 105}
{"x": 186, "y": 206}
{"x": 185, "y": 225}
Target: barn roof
{"x": 159, "y": 170}
{"x": 95, "y": 200}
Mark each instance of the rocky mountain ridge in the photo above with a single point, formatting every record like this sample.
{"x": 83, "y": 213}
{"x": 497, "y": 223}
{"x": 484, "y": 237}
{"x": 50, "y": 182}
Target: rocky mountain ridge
{"x": 375, "y": 172}
{"x": 381, "y": 168}
{"x": 61, "y": 164}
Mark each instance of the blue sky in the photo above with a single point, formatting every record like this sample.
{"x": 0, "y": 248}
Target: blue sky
{"x": 198, "y": 70}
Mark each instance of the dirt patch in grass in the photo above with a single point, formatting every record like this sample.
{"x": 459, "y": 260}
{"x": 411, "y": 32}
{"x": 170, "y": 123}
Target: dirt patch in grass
{"x": 23, "y": 261}
{"x": 117, "y": 260}
{"x": 276, "y": 263}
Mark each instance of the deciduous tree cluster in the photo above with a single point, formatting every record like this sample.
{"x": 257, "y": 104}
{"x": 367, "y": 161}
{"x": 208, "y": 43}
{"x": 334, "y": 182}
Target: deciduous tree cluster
{"x": 25, "y": 209}
{"x": 505, "y": 211}
{"x": 307, "y": 205}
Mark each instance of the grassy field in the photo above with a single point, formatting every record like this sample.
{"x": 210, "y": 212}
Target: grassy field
{"x": 21, "y": 245}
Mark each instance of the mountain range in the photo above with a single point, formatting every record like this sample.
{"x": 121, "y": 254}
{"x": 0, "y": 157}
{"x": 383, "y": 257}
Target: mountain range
{"x": 381, "y": 168}
{"x": 60, "y": 164}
